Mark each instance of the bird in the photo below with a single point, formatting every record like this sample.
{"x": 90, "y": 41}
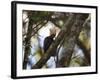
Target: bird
{"x": 48, "y": 41}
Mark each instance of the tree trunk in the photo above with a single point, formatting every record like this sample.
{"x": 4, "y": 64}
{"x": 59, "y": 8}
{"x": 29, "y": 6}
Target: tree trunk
{"x": 71, "y": 39}
{"x": 27, "y": 45}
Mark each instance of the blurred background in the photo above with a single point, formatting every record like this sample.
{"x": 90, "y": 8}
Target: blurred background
{"x": 37, "y": 25}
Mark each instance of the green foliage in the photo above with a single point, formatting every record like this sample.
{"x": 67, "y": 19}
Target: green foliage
{"x": 85, "y": 38}
{"x": 57, "y": 18}
{"x": 37, "y": 16}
